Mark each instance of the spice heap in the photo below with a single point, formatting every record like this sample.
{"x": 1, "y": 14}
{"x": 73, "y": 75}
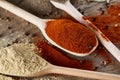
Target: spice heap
{"x": 71, "y": 35}
{"x": 20, "y": 59}
{"x": 56, "y": 57}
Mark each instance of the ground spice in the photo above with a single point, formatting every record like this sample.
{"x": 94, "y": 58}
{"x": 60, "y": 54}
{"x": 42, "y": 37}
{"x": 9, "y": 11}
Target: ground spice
{"x": 56, "y": 57}
{"x": 103, "y": 53}
{"x": 106, "y": 23}
{"x": 20, "y": 59}
{"x": 71, "y": 35}
{"x": 109, "y": 24}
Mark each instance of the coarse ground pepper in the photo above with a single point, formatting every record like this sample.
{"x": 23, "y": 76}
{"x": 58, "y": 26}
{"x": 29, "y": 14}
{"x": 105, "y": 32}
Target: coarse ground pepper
{"x": 71, "y": 35}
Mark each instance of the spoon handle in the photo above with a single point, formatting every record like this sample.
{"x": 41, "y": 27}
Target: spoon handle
{"x": 83, "y": 73}
{"x": 23, "y": 14}
{"x": 70, "y": 9}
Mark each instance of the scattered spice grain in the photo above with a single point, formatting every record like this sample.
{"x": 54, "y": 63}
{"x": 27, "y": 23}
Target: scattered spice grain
{"x": 108, "y": 23}
{"x": 112, "y": 20}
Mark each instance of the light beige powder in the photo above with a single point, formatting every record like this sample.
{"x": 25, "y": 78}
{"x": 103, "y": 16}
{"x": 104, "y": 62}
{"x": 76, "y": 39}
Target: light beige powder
{"x": 20, "y": 59}
{"x": 5, "y": 78}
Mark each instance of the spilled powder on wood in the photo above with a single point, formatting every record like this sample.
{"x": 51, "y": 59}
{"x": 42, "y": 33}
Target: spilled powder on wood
{"x": 20, "y": 59}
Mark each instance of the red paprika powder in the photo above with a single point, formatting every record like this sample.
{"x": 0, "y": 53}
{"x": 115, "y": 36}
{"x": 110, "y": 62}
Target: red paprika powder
{"x": 101, "y": 52}
{"x": 106, "y": 23}
{"x": 56, "y": 57}
{"x": 109, "y": 24}
{"x": 71, "y": 35}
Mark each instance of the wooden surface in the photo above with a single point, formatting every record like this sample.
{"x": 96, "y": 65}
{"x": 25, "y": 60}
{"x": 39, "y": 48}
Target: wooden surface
{"x": 14, "y": 29}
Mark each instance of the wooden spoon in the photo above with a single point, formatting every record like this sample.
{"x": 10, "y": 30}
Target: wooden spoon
{"x": 49, "y": 68}
{"x": 41, "y": 24}
{"x": 70, "y": 9}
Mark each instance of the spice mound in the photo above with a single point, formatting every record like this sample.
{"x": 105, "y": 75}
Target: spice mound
{"x": 71, "y": 35}
{"x": 20, "y": 59}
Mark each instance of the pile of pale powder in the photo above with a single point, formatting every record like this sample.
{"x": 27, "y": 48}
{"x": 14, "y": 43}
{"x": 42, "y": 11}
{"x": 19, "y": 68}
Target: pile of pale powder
{"x": 20, "y": 59}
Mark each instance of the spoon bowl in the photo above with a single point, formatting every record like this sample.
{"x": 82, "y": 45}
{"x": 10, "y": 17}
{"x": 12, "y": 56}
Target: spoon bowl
{"x": 41, "y": 24}
{"x": 70, "y": 9}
